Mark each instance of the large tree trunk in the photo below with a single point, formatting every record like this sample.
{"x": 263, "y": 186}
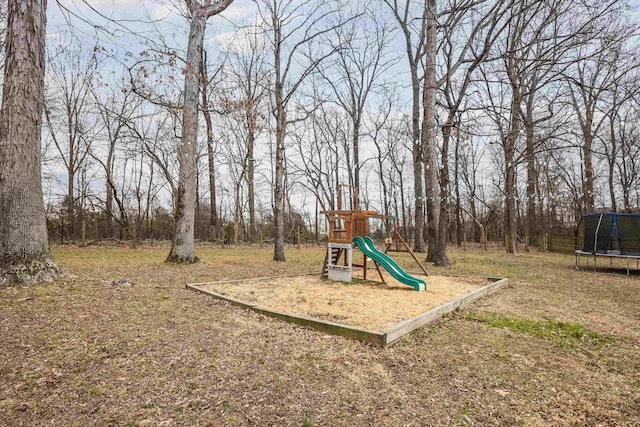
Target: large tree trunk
{"x": 587, "y": 187}
{"x": 418, "y": 239}
{"x": 429, "y": 134}
{"x": 510, "y": 213}
{"x": 510, "y": 206}
{"x": 440, "y": 252}
{"x": 182, "y": 249}
{"x": 24, "y": 247}
{"x": 278, "y": 190}
{"x": 278, "y": 185}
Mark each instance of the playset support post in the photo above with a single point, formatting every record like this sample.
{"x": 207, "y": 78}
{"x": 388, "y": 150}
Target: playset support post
{"x": 397, "y": 239}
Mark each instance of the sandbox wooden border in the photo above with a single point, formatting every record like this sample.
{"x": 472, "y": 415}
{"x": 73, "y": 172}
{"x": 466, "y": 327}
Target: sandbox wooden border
{"x": 378, "y": 338}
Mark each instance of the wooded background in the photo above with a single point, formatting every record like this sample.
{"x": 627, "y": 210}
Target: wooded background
{"x": 464, "y": 119}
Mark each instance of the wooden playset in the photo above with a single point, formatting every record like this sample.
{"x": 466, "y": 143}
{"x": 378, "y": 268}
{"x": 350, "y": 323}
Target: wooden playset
{"x": 347, "y": 226}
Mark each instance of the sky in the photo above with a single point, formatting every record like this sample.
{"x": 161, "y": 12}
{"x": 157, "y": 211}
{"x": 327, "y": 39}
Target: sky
{"x": 134, "y": 22}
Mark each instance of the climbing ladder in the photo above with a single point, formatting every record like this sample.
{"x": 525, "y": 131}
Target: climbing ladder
{"x": 336, "y": 253}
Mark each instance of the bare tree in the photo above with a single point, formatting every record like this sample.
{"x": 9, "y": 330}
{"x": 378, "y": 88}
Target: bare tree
{"x": 378, "y": 132}
{"x": 320, "y": 154}
{"x": 117, "y": 106}
{"x": 628, "y": 163}
{"x": 589, "y": 79}
{"x": 182, "y": 248}
{"x": 68, "y": 111}
{"x": 235, "y": 153}
{"x": 208, "y": 83}
{"x": 429, "y": 126}
{"x": 414, "y": 40}
{"x": 356, "y": 72}
{"x": 24, "y": 246}
{"x": 621, "y": 93}
{"x": 464, "y": 48}
{"x": 245, "y": 97}
{"x": 292, "y": 29}
{"x": 538, "y": 36}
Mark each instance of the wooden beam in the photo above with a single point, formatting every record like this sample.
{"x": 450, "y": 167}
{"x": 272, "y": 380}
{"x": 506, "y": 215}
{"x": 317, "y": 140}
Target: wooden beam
{"x": 251, "y": 279}
{"x": 403, "y": 328}
{"x": 364, "y": 267}
{"x": 352, "y": 332}
{"x": 412, "y": 254}
{"x": 379, "y": 338}
{"x": 380, "y": 272}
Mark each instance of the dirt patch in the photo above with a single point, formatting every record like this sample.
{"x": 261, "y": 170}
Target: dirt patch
{"x": 365, "y": 304}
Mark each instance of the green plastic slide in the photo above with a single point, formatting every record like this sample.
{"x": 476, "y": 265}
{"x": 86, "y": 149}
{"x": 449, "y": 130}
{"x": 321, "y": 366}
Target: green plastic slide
{"x": 368, "y": 248}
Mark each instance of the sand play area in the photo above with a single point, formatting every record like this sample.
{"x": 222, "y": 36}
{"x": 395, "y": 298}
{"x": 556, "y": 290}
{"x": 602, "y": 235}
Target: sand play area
{"x": 365, "y": 304}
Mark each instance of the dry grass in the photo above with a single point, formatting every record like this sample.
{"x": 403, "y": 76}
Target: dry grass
{"x": 368, "y": 305}
{"x": 558, "y": 347}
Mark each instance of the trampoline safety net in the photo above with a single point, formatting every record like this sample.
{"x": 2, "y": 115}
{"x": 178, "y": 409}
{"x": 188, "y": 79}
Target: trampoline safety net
{"x": 608, "y": 233}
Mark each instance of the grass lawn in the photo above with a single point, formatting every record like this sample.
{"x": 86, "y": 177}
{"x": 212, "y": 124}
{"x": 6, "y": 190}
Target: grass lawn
{"x": 120, "y": 341}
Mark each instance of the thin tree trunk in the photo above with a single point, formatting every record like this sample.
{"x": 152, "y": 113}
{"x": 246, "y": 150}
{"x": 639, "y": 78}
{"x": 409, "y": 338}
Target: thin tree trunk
{"x": 212, "y": 182}
{"x": 474, "y": 214}
{"x": 440, "y": 253}
{"x": 109, "y": 201}
{"x": 356, "y": 153}
{"x": 587, "y": 189}
{"x": 429, "y": 135}
{"x": 531, "y": 223}
{"x": 148, "y": 202}
{"x": 24, "y": 246}
{"x": 197, "y": 212}
{"x": 182, "y": 249}
{"x": 253, "y": 232}
{"x": 213, "y": 219}
{"x": 236, "y": 214}
{"x": 510, "y": 175}
{"x": 510, "y": 207}
{"x": 317, "y": 222}
{"x": 612, "y": 165}
{"x": 70, "y": 200}
{"x": 418, "y": 240}
{"x": 460, "y": 235}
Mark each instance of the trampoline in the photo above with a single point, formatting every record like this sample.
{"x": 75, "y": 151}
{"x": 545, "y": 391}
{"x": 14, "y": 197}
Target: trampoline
{"x": 611, "y": 235}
